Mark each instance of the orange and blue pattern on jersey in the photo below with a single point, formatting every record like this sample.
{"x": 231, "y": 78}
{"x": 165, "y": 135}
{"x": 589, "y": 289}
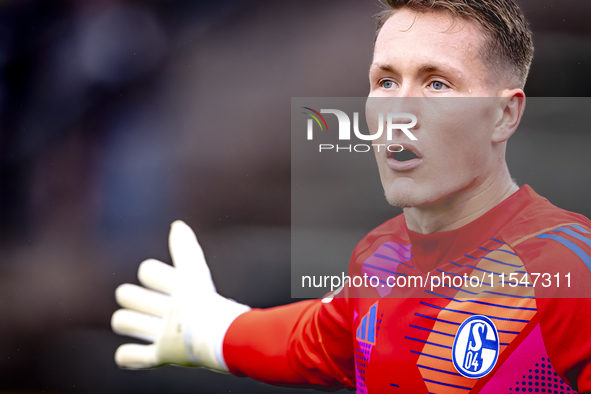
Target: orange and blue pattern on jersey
{"x": 436, "y": 319}
{"x": 504, "y": 294}
{"x": 509, "y": 308}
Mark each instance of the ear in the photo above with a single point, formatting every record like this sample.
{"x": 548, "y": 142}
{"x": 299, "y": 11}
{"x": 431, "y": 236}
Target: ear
{"x": 512, "y": 105}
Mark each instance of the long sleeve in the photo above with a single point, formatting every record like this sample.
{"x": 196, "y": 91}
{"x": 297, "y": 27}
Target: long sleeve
{"x": 308, "y": 343}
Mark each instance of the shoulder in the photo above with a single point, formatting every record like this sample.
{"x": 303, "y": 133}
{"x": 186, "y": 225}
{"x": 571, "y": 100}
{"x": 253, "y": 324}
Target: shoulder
{"x": 540, "y": 217}
{"x": 551, "y": 240}
{"x": 543, "y": 225}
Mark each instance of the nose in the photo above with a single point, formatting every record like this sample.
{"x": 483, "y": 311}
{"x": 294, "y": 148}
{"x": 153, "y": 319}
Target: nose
{"x": 398, "y": 123}
{"x": 410, "y": 90}
{"x": 401, "y": 111}
{"x": 402, "y": 118}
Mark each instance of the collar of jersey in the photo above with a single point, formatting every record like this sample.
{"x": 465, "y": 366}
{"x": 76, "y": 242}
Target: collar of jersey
{"x": 431, "y": 250}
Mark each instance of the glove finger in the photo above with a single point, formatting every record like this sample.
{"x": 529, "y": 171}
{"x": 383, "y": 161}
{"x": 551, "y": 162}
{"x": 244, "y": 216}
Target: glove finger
{"x": 136, "y": 324}
{"x": 142, "y": 300}
{"x": 188, "y": 257}
{"x": 157, "y": 275}
{"x": 136, "y": 356}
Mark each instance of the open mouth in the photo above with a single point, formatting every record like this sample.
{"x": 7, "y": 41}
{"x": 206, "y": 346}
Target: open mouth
{"x": 407, "y": 159}
{"x": 404, "y": 155}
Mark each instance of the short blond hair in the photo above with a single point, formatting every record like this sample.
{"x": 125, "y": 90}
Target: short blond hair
{"x": 508, "y": 44}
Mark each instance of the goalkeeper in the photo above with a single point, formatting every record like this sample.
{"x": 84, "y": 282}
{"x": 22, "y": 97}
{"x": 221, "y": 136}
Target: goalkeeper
{"x": 463, "y": 215}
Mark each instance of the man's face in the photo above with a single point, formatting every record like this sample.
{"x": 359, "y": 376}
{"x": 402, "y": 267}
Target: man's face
{"x": 419, "y": 55}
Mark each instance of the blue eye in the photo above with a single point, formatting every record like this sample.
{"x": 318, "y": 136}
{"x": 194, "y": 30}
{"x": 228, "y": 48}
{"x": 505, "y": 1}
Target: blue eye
{"x": 437, "y": 85}
{"x": 387, "y": 84}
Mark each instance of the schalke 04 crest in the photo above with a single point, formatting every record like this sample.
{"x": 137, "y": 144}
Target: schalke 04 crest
{"x": 476, "y": 347}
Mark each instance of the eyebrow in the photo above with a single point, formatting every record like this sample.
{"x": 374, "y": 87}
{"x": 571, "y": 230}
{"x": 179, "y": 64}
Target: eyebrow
{"x": 383, "y": 67}
{"x": 429, "y": 68}
{"x": 425, "y": 68}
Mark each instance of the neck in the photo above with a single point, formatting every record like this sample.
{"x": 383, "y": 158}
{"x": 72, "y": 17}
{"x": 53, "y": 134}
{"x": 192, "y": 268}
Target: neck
{"x": 461, "y": 207}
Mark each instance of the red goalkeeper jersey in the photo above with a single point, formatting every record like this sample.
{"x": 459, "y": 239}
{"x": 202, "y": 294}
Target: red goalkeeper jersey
{"x": 516, "y": 320}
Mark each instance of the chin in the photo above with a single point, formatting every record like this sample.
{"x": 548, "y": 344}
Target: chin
{"x": 410, "y": 195}
{"x": 404, "y": 196}
{"x": 404, "y": 200}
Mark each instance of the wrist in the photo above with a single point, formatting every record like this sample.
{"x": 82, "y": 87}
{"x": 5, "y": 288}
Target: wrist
{"x": 204, "y": 340}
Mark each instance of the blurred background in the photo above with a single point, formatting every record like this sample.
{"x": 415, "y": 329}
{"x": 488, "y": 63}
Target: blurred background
{"x": 118, "y": 117}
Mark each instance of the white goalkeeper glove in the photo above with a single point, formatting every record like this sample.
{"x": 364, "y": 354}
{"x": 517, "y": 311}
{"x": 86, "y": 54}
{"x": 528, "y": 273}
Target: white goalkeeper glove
{"x": 180, "y": 311}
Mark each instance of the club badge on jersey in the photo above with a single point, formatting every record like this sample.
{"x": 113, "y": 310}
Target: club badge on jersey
{"x": 476, "y": 347}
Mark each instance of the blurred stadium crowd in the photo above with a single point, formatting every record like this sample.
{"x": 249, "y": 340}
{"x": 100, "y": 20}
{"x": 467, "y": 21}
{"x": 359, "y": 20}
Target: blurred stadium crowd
{"x": 118, "y": 117}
